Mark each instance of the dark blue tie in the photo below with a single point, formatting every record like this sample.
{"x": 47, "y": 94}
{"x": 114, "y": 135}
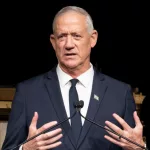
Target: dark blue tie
{"x": 76, "y": 124}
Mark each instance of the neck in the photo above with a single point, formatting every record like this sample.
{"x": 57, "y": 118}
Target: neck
{"x": 77, "y": 71}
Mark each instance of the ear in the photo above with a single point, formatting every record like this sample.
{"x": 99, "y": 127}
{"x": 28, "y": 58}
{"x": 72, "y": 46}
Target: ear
{"x": 94, "y": 37}
{"x": 52, "y": 40}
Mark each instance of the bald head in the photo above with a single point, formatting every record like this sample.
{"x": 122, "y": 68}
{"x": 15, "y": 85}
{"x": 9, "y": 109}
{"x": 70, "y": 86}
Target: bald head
{"x": 88, "y": 19}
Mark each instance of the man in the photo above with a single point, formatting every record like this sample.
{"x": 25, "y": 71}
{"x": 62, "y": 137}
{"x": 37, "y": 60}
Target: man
{"x": 48, "y": 96}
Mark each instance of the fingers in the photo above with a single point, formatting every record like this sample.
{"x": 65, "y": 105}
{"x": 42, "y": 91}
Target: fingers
{"x": 137, "y": 120}
{"x": 122, "y": 122}
{"x": 32, "y": 128}
{"x": 49, "y": 135}
{"x": 44, "y": 141}
{"x": 113, "y": 141}
{"x": 50, "y": 146}
{"x": 49, "y": 141}
{"x": 134, "y": 134}
{"x": 35, "y": 119}
{"x": 114, "y": 128}
{"x": 46, "y": 126}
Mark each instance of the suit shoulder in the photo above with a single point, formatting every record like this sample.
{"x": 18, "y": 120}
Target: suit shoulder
{"x": 116, "y": 82}
{"x": 31, "y": 82}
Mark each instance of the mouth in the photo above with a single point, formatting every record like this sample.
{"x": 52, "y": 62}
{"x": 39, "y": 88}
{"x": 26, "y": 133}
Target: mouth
{"x": 70, "y": 54}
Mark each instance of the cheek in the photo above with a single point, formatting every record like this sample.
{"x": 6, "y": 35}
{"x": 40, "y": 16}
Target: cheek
{"x": 86, "y": 49}
{"x": 59, "y": 49}
{"x": 58, "y": 46}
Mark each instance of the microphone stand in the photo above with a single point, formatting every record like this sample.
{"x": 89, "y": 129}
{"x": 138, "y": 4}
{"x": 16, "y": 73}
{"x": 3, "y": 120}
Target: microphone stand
{"x": 44, "y": 131}
{"x": 120, "y": 136}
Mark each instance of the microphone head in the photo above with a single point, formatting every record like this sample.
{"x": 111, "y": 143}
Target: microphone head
{"x": 79, "y": 104}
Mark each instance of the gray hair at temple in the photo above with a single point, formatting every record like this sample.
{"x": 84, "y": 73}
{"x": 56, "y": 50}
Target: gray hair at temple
{"x": 79, "y": 10}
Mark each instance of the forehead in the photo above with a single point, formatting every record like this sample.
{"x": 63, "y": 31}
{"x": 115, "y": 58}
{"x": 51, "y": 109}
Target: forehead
{"x": 70, "y": 22}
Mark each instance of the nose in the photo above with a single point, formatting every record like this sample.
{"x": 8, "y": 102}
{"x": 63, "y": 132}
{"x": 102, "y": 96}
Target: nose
{"x": 69, "y": 43}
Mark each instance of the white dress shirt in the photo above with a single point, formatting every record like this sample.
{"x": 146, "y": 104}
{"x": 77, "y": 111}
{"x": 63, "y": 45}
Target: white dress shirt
{"x": 84, "y": 88}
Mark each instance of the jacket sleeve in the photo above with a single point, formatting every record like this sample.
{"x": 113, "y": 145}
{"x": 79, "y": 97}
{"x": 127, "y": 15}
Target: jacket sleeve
{"x": 130, "y": 107}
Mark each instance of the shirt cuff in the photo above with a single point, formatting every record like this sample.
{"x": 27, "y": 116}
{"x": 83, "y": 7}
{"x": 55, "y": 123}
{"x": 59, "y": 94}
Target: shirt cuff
{"x": 20, "y": 147}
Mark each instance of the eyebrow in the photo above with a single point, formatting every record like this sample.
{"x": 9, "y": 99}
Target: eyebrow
{"x": 72, "y": 33}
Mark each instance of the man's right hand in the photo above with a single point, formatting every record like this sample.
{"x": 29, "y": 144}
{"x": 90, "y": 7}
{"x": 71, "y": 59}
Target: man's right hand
{"x": 44, "y": 141}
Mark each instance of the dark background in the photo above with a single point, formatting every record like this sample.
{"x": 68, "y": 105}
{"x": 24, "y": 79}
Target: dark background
{"x": 121, "y": 51}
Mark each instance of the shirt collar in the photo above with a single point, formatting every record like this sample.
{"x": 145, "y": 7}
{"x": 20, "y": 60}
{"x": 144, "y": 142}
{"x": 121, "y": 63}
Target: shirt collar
{"x": 62, "y": 76}
{"x": 84, "y": 78}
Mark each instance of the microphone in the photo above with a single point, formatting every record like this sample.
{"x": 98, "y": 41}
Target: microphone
{"x": 45, "y": 131}
{"x": 80, "y": 105}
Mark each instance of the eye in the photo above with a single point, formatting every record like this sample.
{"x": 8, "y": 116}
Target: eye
{"x": 77, "y": 36}
{"x": 61, "y": 36}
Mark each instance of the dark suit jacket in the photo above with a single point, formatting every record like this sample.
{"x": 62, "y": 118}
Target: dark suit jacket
{"x": 42, "y": 94}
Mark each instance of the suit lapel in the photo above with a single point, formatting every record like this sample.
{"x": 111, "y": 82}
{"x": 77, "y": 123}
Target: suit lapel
{"x": 53, "y": 88}
{"x": 98, "y": 92}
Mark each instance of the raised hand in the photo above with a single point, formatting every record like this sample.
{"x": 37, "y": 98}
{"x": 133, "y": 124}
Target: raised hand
{"x": 134, "y": 134}
{"x": 45, "y": 141}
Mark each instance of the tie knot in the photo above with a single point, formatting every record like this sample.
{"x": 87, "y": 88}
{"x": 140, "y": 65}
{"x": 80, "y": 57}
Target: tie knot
{"x": 74, "y": 82}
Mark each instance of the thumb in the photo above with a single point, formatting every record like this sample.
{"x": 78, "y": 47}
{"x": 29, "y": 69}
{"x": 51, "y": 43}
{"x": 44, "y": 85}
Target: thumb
{"x": 137, "y": 119}
{"x": 34, "y": 121}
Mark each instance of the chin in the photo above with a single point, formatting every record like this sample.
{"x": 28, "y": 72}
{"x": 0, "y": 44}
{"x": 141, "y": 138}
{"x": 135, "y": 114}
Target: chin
{"x": 71, "y": 65}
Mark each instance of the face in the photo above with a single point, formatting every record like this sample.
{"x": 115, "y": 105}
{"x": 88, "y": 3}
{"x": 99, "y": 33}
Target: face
{"x": 72, "y": 42}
